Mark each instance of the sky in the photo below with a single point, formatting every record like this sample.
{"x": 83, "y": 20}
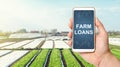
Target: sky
{"x": 54, "y": 14}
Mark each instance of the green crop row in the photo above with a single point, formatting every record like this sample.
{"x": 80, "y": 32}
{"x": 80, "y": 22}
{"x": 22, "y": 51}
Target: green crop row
{"x": 69, "y": 59}
{"x": 55, "y": 60}
{"x": 25, "y": 59}
{"x": 116, "y": 52}
{"x": 86, "y": 64}
{"x": 40, "y": 59}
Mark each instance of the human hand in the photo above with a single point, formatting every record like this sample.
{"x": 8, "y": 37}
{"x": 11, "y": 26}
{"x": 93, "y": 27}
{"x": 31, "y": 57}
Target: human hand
{"x": 101, "y": 45}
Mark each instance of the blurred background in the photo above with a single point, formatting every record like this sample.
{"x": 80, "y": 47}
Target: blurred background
{"x": 43, "y": 25}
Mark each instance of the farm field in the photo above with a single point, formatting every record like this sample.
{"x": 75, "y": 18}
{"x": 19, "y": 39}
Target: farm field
{"x": 6, "y": 44}
{"x": 52, "y": 52}
{"x": 46, "y": 58}
{"x": 2, "y": 53}
{"x": 16, "y": 45}
{"x": 10, "y": 58}
{"x": 114, "y": 41}
{"x": 35, "y": 44}
{"x": 50, "y": 58}
{"x": 55, "y": 58}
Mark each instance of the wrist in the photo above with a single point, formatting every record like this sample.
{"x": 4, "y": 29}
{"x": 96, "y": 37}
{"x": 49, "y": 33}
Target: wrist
{"x": 101, "y": 58}
{"x": 98, "y": 59}
{"x": 105, "y": 58}
{"x": 108, "y": 60}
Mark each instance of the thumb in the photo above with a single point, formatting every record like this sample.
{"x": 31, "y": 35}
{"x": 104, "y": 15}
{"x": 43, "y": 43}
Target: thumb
{"x": 100, "y": 27}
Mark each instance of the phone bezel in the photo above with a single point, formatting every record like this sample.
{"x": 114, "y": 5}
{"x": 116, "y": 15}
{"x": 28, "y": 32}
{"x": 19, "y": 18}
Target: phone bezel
{"x": 83, "y": 50}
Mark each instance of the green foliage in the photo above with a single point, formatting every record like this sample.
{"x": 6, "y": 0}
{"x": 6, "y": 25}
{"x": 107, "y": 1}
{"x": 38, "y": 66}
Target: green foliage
{"x": 69, "y": 59}
{"x": 86, "y": 64}
{"x": 25, "y": 59}
{"x": 116, "y": 52}
{"x": 55, "y": 60}
{"x": 114, "y": 46}
{"x": 40, "y": 59}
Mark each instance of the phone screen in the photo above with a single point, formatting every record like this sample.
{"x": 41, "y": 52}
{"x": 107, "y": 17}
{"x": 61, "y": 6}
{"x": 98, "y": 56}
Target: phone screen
{"x": 83, "y": 33}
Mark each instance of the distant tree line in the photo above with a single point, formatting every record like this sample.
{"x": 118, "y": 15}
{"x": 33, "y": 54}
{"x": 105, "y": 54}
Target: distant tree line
{"x": 112, "y": 33}
{"x": 5, "y": 33}
{"x": 52, "y": 32}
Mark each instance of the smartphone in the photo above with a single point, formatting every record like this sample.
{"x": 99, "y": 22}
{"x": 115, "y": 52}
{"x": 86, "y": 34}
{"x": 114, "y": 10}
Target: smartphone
{"x": 83, "y": 29}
